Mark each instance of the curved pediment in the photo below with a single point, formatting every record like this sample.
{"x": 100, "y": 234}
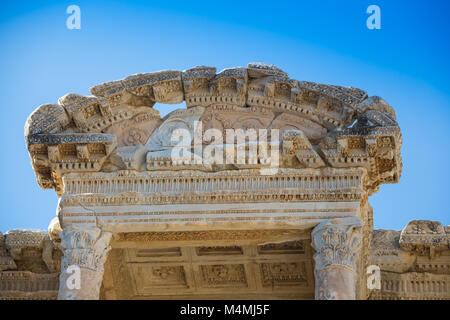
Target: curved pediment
{"x": 117, "y": 129}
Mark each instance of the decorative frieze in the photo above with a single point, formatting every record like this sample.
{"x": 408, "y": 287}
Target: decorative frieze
{"x": 186, "y": 182}
{"x": 204, "y": 235}
{"x": 6, "y": 261}
{"x": 28, "y": 285}
{"x": 412, "y": 286}
{"x": 47, "y": 118}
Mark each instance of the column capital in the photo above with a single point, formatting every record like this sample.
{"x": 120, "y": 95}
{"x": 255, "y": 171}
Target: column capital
{"x": 85, "y": 251}
{"x": 337, "y": 243}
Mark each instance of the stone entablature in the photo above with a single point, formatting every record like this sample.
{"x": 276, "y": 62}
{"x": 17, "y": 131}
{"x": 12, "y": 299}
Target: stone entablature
{"x": 132, "y": 201}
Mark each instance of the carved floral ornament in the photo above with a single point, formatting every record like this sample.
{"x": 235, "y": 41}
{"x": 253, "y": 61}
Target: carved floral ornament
{"x": 117, "y": 129}
{"x": 337, "y": 243}
{"x": 85, "y": 247}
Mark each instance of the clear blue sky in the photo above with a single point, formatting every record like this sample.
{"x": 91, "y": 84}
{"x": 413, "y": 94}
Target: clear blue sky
{"x": 406, "y": 62}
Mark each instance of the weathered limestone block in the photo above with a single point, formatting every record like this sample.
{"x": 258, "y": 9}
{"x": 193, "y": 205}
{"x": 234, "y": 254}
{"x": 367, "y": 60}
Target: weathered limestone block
{"x": 17, "y": 239}
{"x": 34, "y": 272}
{"x": 378, "y": 104}
{"x": 85, "y": 251}
{"x": 55, "y": 154}
{"x": 162, "y": 86}
{"x": 136, "y": 130}
{"x": 313, "y": 131}
{"x": 196, "y": 85}
{"x": 96, "y": 114}
{"x": 47, "y": 118}
{"x": 337, "y": 243}
{"x": 132, "y": 157}
{"x": 260, "y": 70}
{"x": 347, "y": 95}
{"x": 229, "y": 86}
{"x": 329, "y": 106}
{"x": 26, "y": 285}
{"x": 223, "y": 117}
{"x": 373, "y": 145}
{"x": 32, "y": 250}
{"x": 296, "y": 144}
{"x": 6, "y": 261}
{"x": 280, "y": 95}
{"x": 179, "y": 129}
{"x": 116, "y": 95}
{"x": 387, "y": 253}
{"x": 414, "y": 263}
{"x": 279, "y": 88}
{"x": 425, "y": 237}
{"x": 143, "y": 89}
{"x": 54, "y": 229}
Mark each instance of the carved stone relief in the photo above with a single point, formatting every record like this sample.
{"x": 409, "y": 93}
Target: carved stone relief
{"x": 283, "y": 268}
{"x": 337, "y": 244}
{"x": 86, "y": 250}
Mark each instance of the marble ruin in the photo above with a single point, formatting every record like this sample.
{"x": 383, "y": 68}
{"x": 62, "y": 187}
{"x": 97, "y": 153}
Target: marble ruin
{"x": 288, "y": 220}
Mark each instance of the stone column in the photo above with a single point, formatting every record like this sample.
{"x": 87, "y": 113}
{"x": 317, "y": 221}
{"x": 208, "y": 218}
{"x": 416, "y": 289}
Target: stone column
{"x": 337, "y": 243}
{"x": 85, "y": 251}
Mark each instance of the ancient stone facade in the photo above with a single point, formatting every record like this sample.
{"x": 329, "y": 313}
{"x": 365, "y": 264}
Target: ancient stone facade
{"x": 414, "y": 263}
{"x": 258, "y": 189}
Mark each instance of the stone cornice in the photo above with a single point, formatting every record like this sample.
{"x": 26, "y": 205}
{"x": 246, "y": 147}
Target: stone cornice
{"x": 97, "y": 133}
{"x": 337, "y": 243}
{"x": 425, "y": 237}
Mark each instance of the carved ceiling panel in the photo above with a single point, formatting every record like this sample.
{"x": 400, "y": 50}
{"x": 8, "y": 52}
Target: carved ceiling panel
{"x": 271, "y": 270}
{"x": 340, "y": 127}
